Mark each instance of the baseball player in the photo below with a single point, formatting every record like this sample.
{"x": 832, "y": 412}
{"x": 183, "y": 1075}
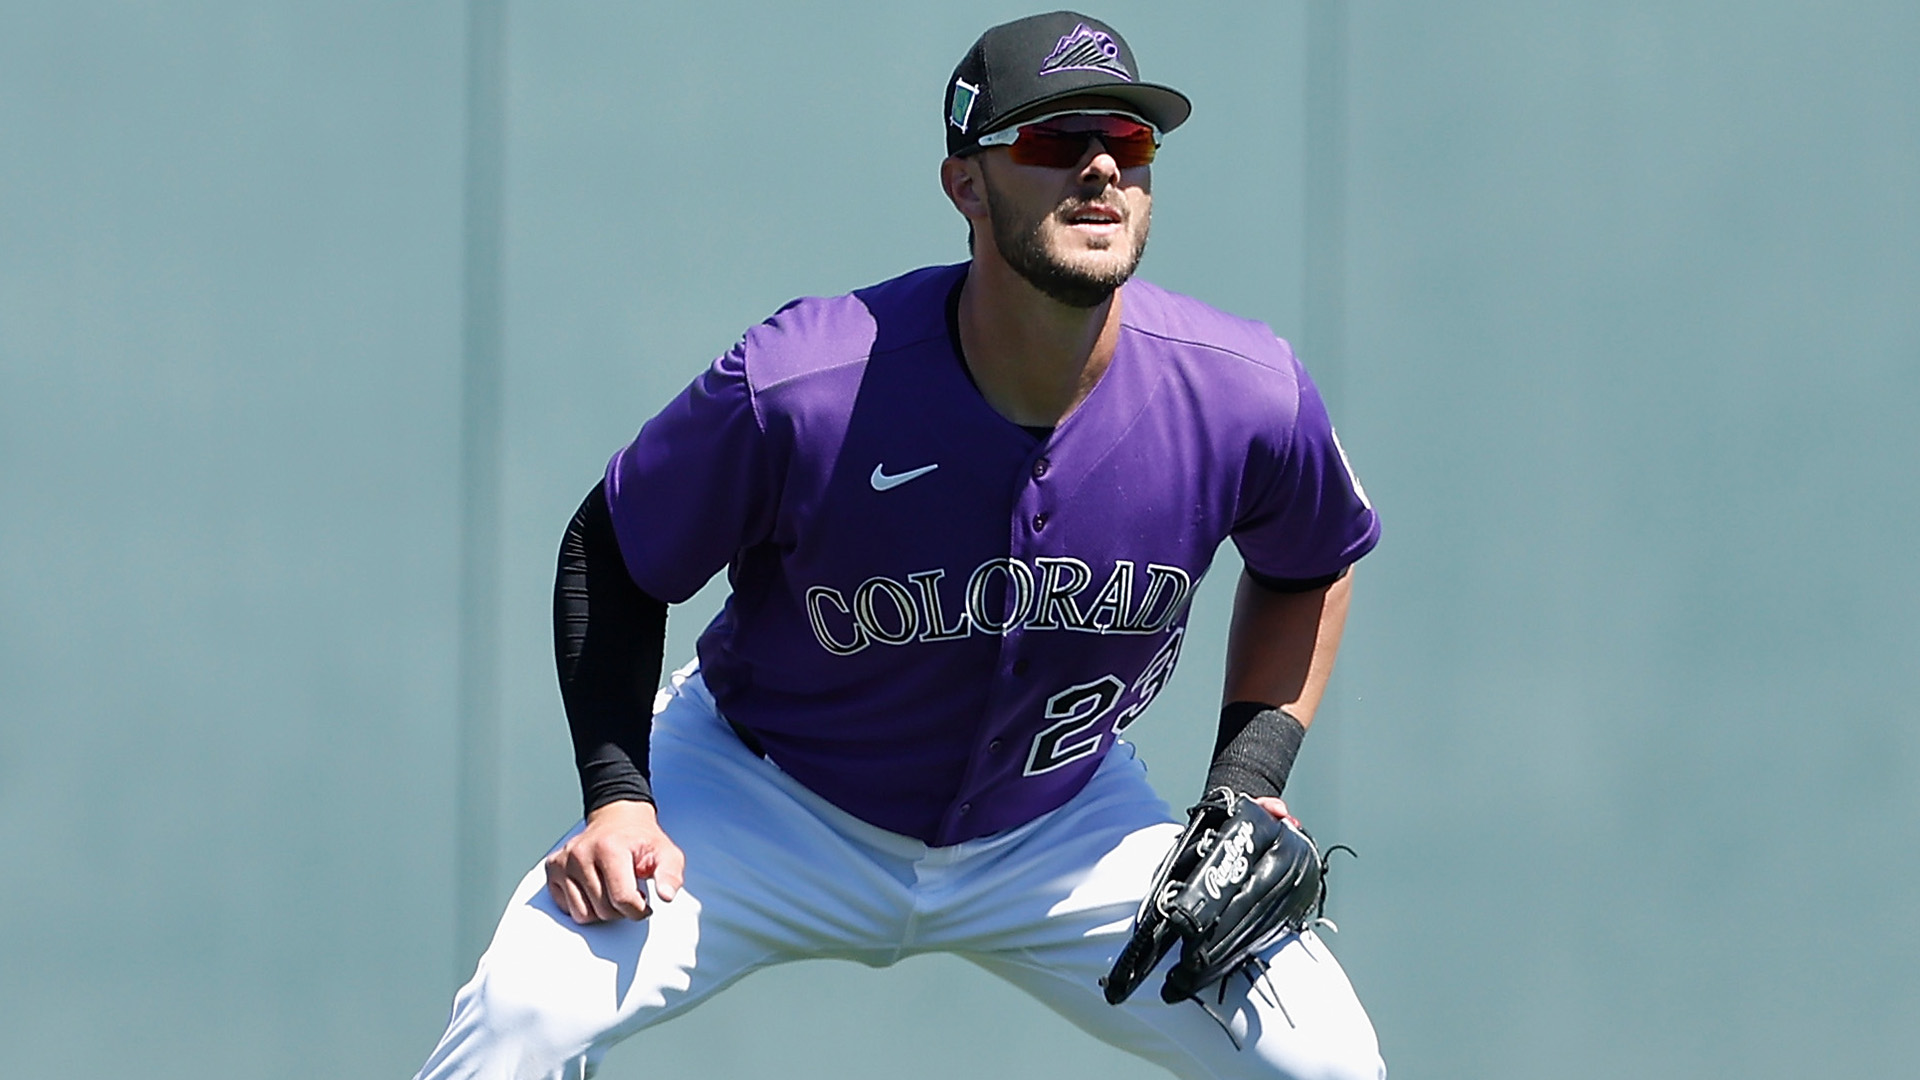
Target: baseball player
{"x": 962, "y": 513}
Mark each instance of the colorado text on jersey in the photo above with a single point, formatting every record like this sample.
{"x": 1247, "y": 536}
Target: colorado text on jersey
{"x": 1000, "y": 594}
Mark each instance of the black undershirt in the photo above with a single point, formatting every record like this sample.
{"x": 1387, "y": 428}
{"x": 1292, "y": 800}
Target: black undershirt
{"x": 609, "y": 638}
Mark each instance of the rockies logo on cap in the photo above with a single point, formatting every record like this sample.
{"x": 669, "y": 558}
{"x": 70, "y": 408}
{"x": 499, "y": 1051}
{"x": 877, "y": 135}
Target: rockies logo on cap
{"x": 1086, "y": 50}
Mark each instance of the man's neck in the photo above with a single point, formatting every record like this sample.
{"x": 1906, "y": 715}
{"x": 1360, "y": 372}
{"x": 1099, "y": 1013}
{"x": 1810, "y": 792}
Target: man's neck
{"x": 1034, "y": 358}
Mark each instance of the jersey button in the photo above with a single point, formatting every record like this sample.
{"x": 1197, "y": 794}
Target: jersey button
{"x": 1039, "y": 522}
{"x": 1040, "y": 468}
{"x": 966, "y": 808}
{"x": 995, "y": 745}
{"x": 1021, "y": 666}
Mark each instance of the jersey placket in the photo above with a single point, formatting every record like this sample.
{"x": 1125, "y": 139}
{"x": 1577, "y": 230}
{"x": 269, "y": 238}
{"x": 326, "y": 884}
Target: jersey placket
{"x": 998, "y": 744}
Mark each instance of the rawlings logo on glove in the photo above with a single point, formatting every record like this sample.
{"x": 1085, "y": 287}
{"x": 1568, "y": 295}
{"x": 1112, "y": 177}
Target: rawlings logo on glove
{"x": 1232, "y": 866}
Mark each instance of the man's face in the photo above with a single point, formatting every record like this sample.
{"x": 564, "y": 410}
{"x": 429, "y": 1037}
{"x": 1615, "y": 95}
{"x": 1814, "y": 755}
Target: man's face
{"x": 1075, "y": 233}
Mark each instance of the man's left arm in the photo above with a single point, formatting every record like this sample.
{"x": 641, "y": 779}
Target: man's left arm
{"x": 1280, "y": 653}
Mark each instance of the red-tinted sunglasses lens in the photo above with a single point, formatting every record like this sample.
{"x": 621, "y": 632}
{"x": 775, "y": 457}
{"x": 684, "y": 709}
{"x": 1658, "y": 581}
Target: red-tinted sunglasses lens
{"x": 1053, "y": 146}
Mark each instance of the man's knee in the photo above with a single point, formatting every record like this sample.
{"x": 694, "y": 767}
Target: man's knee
{"x": 1302, "y": 1020}
{"x": 509, "y": 1027}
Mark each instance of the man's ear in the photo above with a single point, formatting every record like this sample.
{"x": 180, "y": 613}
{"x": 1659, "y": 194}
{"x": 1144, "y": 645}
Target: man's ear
{"x": 966, "y": 186}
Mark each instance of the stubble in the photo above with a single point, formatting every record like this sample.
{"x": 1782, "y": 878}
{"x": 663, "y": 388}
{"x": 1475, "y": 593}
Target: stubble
{"x": 1021, "y": 243}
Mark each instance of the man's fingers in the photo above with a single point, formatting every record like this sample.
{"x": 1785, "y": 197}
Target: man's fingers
{"x": 575, "y": 881}
{"x": 1278, "y": 809}
{"x": 600, "y": 875}
{"x": 622, "y": 888}
{"x": 669, "y": 870}
{"x": 578, "y": 905}
{"x": 566, "y": 893}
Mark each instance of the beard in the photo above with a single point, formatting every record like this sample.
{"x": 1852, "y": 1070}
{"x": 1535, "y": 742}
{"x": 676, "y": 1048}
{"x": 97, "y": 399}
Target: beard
{"x": 1022, "y": 245}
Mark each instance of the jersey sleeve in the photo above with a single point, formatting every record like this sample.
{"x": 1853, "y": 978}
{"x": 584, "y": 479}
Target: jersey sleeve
{"x": 1303, "y": 513}
{"x": 695, "y": 487}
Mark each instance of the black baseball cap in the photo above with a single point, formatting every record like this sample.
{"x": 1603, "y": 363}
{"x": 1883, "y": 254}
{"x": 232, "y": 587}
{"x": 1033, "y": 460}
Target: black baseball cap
{"x": 1019, "y": 68}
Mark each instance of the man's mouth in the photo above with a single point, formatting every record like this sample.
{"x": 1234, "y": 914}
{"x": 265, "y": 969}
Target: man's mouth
{"x": 1093, "y": 215}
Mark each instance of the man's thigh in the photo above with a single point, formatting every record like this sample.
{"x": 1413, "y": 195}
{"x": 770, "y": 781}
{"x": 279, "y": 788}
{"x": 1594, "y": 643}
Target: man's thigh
{"x": 1300, "y": 1019}
{"x": 767, "y": 881}
{"x": 1051, "y": 916}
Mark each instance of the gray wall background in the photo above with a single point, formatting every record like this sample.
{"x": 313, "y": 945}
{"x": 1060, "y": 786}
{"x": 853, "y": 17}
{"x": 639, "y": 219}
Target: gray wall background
{"x": 1625, "y": 725}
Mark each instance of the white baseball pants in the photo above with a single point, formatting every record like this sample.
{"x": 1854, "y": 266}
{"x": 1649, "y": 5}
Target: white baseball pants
{"x": 775, "y": 873}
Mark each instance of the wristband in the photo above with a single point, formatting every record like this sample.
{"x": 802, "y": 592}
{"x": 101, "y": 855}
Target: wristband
{"x": 1255, "y": 749}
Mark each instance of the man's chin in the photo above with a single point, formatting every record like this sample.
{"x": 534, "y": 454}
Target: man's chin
{"x": 1103, "y": 257}
{"x": 1111, "y": 268}
{"x": 1075, "y": 286}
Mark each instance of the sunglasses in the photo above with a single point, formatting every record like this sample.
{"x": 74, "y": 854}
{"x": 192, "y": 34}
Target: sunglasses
{"x": 1060, "y": 140}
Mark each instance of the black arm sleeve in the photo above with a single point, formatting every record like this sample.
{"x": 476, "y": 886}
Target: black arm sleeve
{"x": 608, "y": 641}
{"x": 1255, "y": 749}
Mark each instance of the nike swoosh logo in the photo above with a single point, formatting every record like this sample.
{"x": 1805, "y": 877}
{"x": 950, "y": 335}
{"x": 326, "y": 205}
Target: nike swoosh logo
{"x": 882, "y": 482}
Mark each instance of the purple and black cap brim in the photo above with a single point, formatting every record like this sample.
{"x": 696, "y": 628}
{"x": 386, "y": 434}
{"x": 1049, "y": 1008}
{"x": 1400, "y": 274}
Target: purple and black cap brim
{"x": 1025, "y": 68}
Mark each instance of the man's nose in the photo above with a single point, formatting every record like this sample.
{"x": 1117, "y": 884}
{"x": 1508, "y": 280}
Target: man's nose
{"x": 1100, "y": 167}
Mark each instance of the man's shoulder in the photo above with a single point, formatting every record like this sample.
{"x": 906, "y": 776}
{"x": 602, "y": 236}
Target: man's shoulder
{"x": 817, "y": 336}
{"x": 1231, "y": 352}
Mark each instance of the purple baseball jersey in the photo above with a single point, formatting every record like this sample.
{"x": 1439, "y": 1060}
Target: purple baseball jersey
{"x": 939, "y": 621}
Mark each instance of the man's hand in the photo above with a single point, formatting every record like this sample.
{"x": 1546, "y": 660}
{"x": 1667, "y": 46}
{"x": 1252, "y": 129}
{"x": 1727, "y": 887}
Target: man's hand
{"x": 596, "y": 876}
{"x": 1241, "y": 875}
{"x": 1278, "y": 809}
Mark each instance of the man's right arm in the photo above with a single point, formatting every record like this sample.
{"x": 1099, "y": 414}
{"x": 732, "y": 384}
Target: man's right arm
{"x": 609, "y": 641}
